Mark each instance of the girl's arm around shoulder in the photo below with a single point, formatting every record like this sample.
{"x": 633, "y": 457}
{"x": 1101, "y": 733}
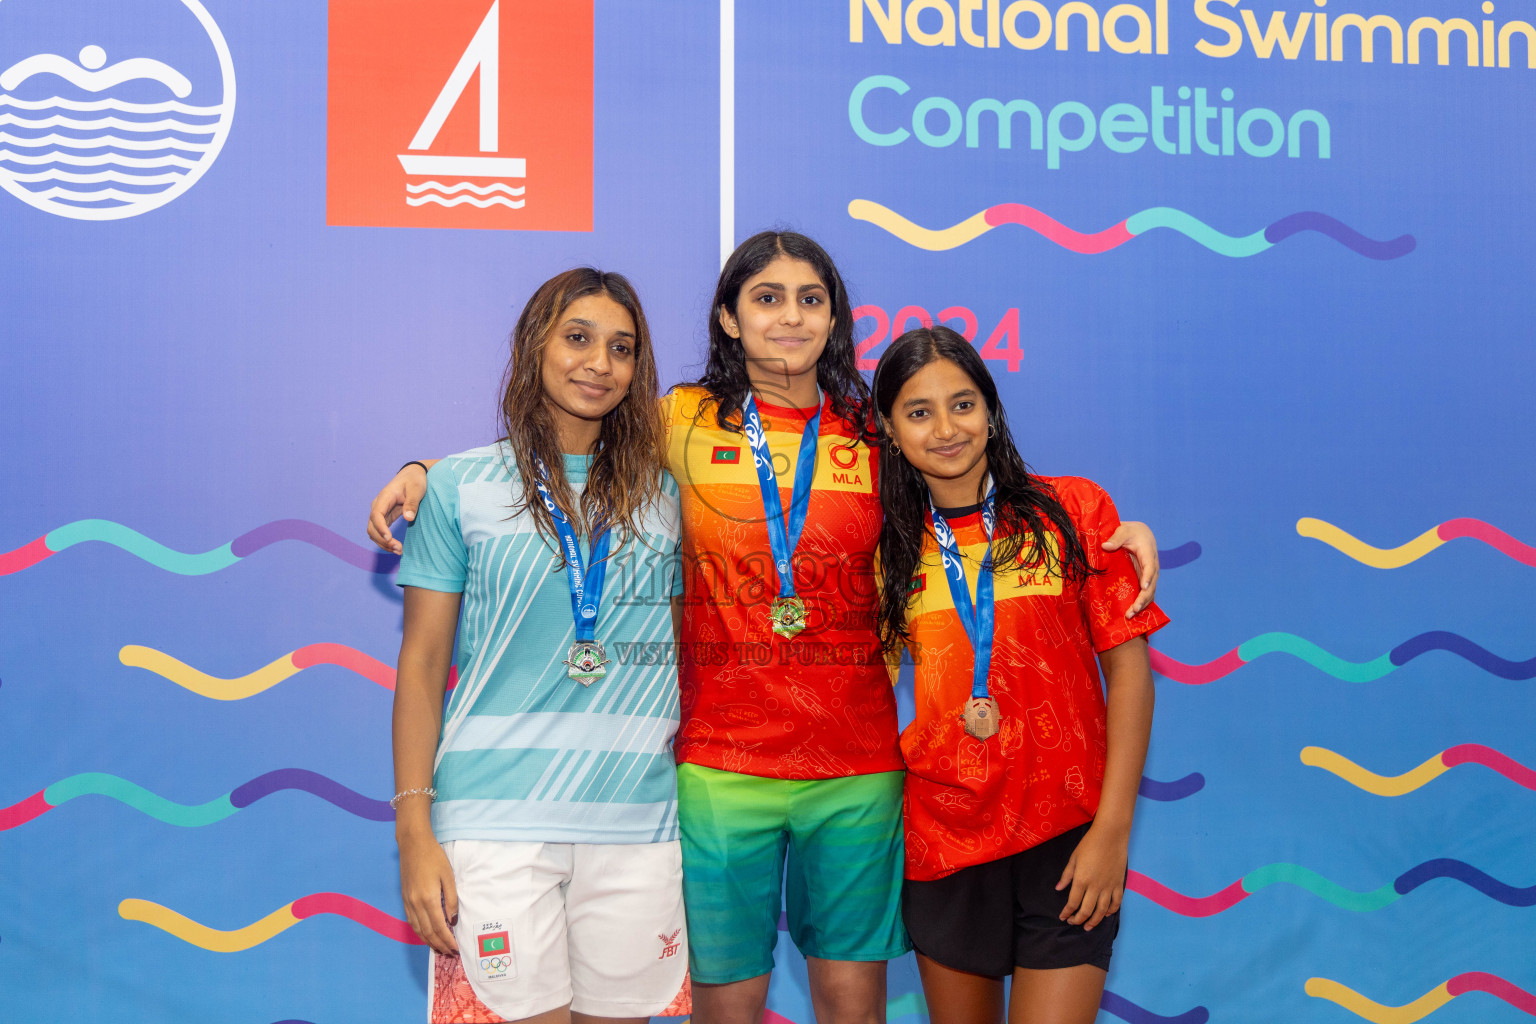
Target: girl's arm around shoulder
{"x": 1138, "y": 542}
{"x": 1111, "y": 544}
{"x": 400, "y": 496}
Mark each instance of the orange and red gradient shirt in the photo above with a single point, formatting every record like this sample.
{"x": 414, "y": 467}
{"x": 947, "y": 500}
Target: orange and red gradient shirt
{"x": 816, "y": 706}
{"x": 971, "y": 801}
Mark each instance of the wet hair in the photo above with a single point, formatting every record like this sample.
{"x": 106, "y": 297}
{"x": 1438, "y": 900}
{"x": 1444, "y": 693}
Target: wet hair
{"x": 725, "y": 373}
{"x": 624, "y": 476}
{"x": 1026, "y": 506}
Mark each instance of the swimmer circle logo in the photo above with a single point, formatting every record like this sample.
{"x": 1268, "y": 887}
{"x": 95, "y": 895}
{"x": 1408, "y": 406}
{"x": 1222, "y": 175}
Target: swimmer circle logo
{"x": 104, "y": 134}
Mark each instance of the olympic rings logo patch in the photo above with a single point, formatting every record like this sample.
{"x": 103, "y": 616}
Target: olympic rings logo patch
{"x": 495, "y": 963}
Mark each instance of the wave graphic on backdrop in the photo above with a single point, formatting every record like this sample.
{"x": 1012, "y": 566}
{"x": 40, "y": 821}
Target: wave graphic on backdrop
{"x": 1346, "y": 899}
{"x": 1178, "y": 789}
{"x": 264, "y": 678}
{"x": 448, "y": 195}
{"x": 193, "y": 815}
{"x": 1423, "y": 544}
{"x": 185, "y": 563}
{"x": 1333, "y": 665}
{"x": 1433, "y": 768}
{"x": 95, "y": 167}
{"x": 1128, "y": 1011}
{"x": 1173, "y": 558}
{"x": 973, "y": 227}
{"x": 1428, "y": 1003}
{"x": 269, "y": 675}
{"x": 275, "y": 923}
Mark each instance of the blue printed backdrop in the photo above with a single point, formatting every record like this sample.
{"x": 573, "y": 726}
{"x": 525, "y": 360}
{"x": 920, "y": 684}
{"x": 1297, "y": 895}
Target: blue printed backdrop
{"x": 228, "y": 361}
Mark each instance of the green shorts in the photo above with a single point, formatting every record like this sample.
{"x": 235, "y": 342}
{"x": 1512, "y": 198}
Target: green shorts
{"x": 843, "y": 842}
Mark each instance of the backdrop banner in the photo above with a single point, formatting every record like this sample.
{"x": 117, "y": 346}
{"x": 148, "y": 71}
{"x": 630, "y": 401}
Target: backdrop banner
{"x": 1261, "y": 268}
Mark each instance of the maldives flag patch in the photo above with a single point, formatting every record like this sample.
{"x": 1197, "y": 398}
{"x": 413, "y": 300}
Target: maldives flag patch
{"x": 493, "y": 944}
{"x": 919, "y": 584}
{"x": 726, "y": 455}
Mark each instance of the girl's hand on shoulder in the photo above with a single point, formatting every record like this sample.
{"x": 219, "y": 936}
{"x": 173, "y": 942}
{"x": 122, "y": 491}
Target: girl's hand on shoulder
{"x": 431, "y": 899}
{"x": 1138, "y": 542}
{"x": 402, "y": 494}
{"x": 1096, "y": 874}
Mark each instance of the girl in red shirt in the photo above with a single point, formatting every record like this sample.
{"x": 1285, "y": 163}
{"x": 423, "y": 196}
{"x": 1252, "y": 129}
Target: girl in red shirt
{"x": 1021, "y": 777}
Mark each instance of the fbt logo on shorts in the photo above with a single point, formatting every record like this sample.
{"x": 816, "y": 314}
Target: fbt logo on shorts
{"x": 669, "y": 944}
{"x": 460, "y": 114}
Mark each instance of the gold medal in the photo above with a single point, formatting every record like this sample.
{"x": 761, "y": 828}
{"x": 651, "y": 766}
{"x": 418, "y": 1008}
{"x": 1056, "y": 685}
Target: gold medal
{"x": 981, "y": 717}
{"x": 586, "y": 662}
{"x": 788, "y": 616}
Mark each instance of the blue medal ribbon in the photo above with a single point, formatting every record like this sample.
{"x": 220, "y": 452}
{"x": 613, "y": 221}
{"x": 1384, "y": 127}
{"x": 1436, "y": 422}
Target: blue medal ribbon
{"x": 586, "y": 586}
{"x": 977, "y": 618}
{"x": 783, "y": 531}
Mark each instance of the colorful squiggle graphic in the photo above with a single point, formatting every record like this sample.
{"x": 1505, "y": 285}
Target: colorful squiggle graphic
{"x": 1317, "y": 885}
{"x": 1428, "y": 1003}
{"x": 269, "y": 675}
{"x": 975, "y": 226}
{"x": 193, "y": 815}
{"x": 1433, "y": 768}
{"x": 1128, "y": 1011}
{"x": 280, "y": 920}
{"x": 194, "y": 563}
{"x": 907, "y": 1008}
{"x": 1423, "y": 544}
{"x": 1348, "y": 671}
{"x": 264, "y": 678}
{"x": 1185, "y": 553}
{"x": 1178, "y": 789}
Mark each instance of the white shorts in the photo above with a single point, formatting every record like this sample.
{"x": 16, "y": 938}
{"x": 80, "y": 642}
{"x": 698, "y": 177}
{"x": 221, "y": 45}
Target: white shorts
{"x": 540, "y": 925}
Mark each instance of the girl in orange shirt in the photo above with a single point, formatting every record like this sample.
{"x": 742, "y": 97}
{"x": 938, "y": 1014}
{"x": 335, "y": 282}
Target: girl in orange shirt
{"x": 1021, "y": 778}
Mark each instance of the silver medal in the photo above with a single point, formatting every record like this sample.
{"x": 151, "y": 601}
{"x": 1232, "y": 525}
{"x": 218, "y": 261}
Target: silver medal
{"x": 586, "y": 662}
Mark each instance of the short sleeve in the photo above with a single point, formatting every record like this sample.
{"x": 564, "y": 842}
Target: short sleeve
{"x": 435, "y": 556}
{"x": 1109, "y": 594}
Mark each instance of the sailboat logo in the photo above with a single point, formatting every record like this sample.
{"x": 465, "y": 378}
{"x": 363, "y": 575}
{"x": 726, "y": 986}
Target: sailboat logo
{"x": 460, "y": 114}
{"x": 103, "y": 136}
{"x": 494, "y": 174}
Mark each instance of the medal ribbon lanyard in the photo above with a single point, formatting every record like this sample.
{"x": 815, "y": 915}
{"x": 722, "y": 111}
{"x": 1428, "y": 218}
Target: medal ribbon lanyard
{"x": 586, "y": 586}
{"x": 783, "y": 531}
{"x": 977, "y": 619}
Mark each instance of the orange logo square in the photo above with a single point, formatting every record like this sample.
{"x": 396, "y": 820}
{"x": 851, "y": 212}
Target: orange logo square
{"x": 460, "y": 114}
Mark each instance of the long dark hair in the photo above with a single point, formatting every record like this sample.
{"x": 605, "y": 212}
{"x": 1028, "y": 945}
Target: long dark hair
{"x": 1024, "y": 506}
{"x": 624, "y": 475}
{"x": 725, "y": 374}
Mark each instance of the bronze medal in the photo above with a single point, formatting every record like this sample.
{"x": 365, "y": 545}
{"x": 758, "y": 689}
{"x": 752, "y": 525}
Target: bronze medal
{"x": 586, "y": 662}
{"x": 981, "y": 717}
{"x": 788, "y": 616}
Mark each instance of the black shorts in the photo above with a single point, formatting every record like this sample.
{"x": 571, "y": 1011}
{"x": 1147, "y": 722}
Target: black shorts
{"x": 990, "y": 918}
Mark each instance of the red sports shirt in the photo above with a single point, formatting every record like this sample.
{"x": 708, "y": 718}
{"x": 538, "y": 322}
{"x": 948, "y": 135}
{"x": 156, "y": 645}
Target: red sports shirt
{"x": 817, "y": 706}
{"x": 971, "y": 801}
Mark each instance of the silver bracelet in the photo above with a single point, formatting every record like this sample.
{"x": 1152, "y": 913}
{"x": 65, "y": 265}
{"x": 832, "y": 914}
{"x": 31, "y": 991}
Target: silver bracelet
{"x": 394, "y": 801}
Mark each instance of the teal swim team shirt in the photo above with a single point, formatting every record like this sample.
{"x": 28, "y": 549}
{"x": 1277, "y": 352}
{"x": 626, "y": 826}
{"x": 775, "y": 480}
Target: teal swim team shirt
{"x": 527, "y": 754}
